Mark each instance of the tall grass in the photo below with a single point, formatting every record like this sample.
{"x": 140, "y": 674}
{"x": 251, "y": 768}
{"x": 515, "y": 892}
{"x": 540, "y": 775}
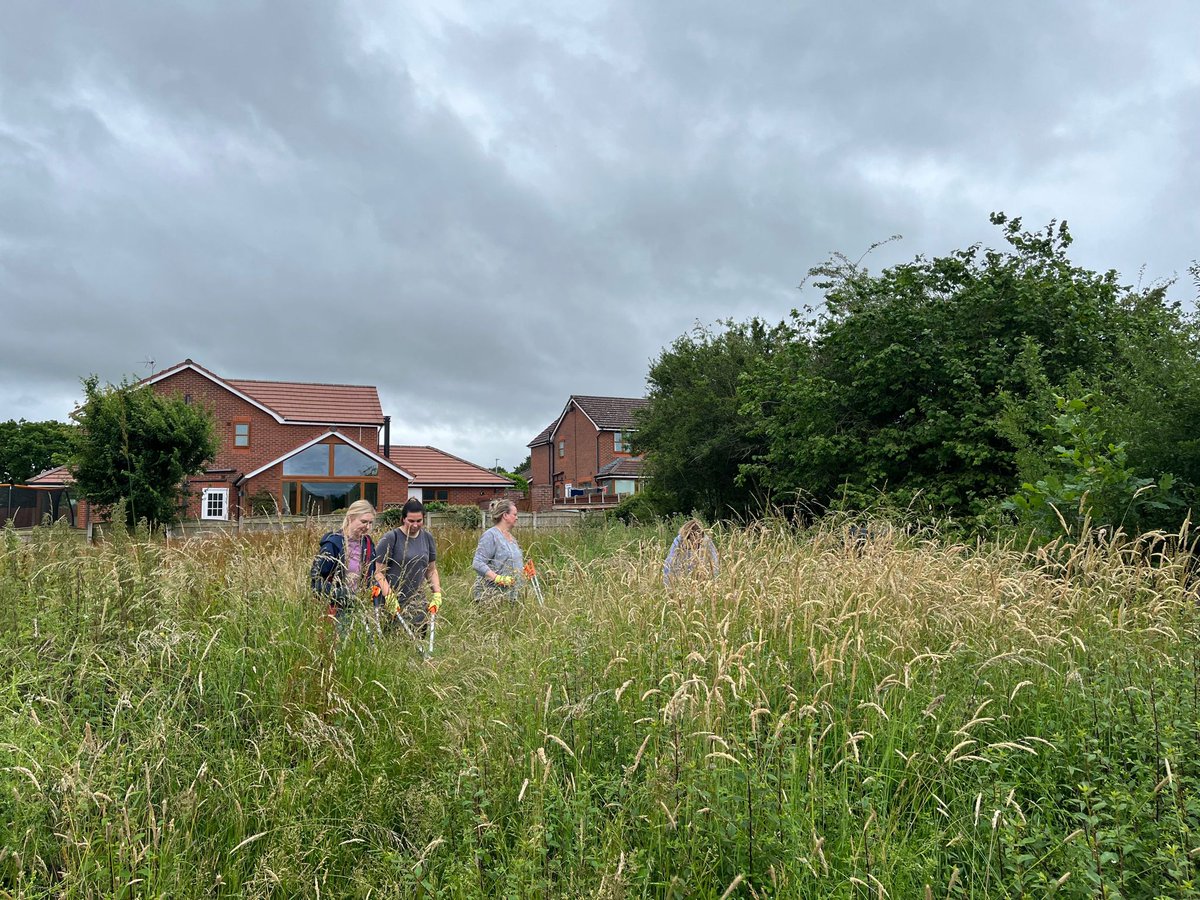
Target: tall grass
{"x": 904, "y": 717}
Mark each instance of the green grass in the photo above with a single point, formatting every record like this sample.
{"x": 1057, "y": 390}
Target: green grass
{"x": 912, "y": 718}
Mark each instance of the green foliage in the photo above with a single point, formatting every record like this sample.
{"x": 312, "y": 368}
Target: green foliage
{"x": 135, "y": 445}
{"x": 27, "y": 448}
{"x": 905, "y": 383}
{"x": 263, "y": 503}
{"x": 636, "y": 508}
{"x": 1091, "y": 483}
{"x": 450, "y": 515}
{"x": 461, "y": 516}
{"x": 391, "y": 517}
{"x": 693, "y": 433}
{"x": 519, "y": 482}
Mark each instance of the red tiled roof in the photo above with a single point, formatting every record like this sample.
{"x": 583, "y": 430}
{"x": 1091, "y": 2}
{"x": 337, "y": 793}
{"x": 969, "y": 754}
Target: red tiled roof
{"x": 431, "y": 466}
{"x": 622, "y": 467}
{"x": 294, "y": 401}
{"x": 543, "y": 435}
{"x": 611, "y": 413}
{"x": 608, "y": 414}
{"x": 348, "y": 404}
{"x": 57, "y": 475}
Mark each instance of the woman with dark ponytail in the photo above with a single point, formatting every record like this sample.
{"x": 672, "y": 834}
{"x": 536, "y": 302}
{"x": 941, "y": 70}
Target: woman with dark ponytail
{"x": 406, "y": 560}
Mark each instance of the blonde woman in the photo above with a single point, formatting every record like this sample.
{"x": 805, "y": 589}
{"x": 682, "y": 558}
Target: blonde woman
{"x": 498, "y": 561}
{"x": 345, "y": 563}
{"x": 692, "y": 555}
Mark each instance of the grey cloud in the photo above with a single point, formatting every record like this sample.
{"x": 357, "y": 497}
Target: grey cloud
{"x": 484, "y": 208}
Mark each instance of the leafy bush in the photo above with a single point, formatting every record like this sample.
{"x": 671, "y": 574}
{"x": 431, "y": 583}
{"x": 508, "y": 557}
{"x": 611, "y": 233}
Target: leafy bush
{"x": 448, "y": 514}
{"x": 639, "y": 507}
{"x": 458, "y": 516}
{"x": 1089, "y": 482}
{"x": 137, "y": 445}
{"x": 263, "y": 503}
{"x": 391, "y": 517}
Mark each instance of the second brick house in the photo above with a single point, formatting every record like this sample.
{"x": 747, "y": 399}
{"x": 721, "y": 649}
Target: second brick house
{"x": 584, "y": 455}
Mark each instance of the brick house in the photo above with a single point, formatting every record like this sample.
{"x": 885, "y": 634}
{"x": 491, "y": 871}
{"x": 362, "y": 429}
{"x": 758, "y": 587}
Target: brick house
{"x": 286, "y": 446}
{"x": 298, "y": 448}
{"x": 441, "y": 476}
{"x": 584, "y": 455}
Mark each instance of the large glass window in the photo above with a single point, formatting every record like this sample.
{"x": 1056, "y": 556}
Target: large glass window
{"x": 320, "y": 498}
{"x": 312, "y": 461}
{"x": 348, "y": 461}
{"x": 331, "y": 476}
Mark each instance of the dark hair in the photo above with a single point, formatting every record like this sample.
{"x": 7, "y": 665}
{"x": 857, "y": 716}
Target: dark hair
{"x": 412, "y": 506}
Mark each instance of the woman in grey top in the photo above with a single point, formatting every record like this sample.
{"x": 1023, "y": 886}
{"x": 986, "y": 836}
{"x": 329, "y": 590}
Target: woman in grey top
{"x": 498, "y": 561}
{"x": 407, "y": 559}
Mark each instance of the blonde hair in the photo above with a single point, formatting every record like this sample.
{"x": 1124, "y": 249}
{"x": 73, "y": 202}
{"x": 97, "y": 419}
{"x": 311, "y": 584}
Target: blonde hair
{"x": 356, "y": 510}
{"x": 499, "y": 507}
{"x": 692, "y": 534}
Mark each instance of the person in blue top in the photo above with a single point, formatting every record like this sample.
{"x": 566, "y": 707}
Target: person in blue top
{"x": 692, "y": 555}
{"x": 344, "y": 568}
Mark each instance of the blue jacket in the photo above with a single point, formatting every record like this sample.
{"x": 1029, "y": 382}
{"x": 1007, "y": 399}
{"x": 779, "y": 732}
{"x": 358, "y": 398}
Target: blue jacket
{"x": 328, "y": 573}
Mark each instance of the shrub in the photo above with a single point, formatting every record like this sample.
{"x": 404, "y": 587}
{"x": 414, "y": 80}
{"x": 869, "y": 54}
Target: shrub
{"x": 635, "y": 508}
{"x": 461, "y": 516}
{"x": 263, "y": 503}
{"x": 391, "y": 518}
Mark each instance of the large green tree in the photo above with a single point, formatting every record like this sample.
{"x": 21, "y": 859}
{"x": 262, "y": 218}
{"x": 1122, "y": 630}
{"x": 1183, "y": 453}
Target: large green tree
{"x": 926, "y": 381}
{"x": 27, "y": 448}
{"x": 135, "y": 445}
{"x": 693, "y": 433}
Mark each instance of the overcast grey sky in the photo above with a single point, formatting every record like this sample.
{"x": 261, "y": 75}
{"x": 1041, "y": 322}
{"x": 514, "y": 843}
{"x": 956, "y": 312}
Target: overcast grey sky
{"x": 484, "y": 207}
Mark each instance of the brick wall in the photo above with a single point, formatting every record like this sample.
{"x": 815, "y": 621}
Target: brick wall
{"x": 541, "y": 492}
{"x": 607, "y": 453}
{"x": 586, "y": 451}
{"x": 472, "y": 496}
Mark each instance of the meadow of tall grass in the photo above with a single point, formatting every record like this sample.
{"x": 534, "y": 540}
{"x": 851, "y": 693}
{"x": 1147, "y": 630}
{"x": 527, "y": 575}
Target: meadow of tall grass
{"x": 904, "y": 716}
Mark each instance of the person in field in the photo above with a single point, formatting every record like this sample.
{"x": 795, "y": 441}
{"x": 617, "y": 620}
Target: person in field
{"x": 692, "y": 555}
{"x": 405, "y": 564}
{"x": 343, "y": 571}
{"x": 498, "y": 562}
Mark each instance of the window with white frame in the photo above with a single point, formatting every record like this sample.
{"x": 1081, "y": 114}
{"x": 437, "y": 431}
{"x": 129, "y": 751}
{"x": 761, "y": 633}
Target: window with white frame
{"x": 214, "y": 503}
